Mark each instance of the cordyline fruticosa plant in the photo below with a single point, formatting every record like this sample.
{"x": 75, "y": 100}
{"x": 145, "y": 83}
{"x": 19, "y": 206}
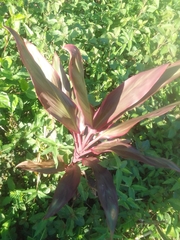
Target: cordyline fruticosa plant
{"x": 94, "y": 131}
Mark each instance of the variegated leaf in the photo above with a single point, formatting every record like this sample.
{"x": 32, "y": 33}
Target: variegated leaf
{"x": 50, "y": 73}
{"x": 76, "y": 74}
{"x": 121, "y": 129}
{"x": 133, "y": 92}
{"x": 52, "y": 98}
{"x": 60, "y": 70}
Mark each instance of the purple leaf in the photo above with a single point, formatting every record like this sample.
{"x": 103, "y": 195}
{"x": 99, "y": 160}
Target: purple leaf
{"x": 171, "y": 73}
{"x": 65, "y": 190}
{"x": 121, "y": 129}
{"x": 106, "y": 192}
{"x": 125, "y": 150}
{"x": 76, "y": 74}
{"x": 49, "y": 72}
{"x": 52, "y": 98}
{"x": 60, "y": 70}
{"x": 133, "y": 92}
{"x": 47, "y": 167}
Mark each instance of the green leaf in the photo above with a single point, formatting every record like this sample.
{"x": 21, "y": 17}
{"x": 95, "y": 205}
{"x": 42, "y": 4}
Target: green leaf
{"x": 6, "y": 62}
{"x": 11, "y": 184}
{"x": 131, "y": 202}
{"x": 4, "y": 100}
{"x": 81, "y": 211}
{"x": 2, "y": 217}
{"x": 40, "y": 226}
{"x": 65, "y": 190}
{"x": 176, "y": 185}
{"x": 70, "y": 226}
{"x": 29, "y": 32}
{"x": 23, "y": 84}
{"x": 80, "y": 221}
{"x": 140, "y": 188}
{"x": 174, "y": 203}
{"x": 119, "y": 177}
{"x": 6, "y": 201}
{"x": 8, "y": 101}
{"x": 42, "y": 195}
{"x": 84, "y": 194}
{"x": 14, "y": 100}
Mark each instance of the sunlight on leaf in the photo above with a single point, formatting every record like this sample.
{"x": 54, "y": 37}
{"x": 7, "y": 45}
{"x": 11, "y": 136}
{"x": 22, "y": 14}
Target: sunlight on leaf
{"x": 133, "y": 92}
{"x": 53, "y": 99}
{"x": 121, "y": 129}
{"x": 46, "y": 167}
{"x": 76, "y": 74}
{"x": 60, "y": 70}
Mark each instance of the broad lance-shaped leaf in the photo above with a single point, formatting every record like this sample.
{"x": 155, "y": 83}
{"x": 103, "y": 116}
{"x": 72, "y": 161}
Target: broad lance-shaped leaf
{"x": 134, "y": 91}
{"x": 49, "y": 72}
{"x": 106, "y": 192}
{"x": 121, "y": 129}
{"x": 46, "y": 167}
{"x": 126, "y": 151}
{"x": 171, "y": 73}
{"x": 65, "y": 190}
{"x": 53, "y": 99}
{"x": 60, "y": 70}
{"x": 76, "y": 74}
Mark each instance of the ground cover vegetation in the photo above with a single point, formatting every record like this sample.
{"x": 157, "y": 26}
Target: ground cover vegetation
{"x": 117, "y": 39}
